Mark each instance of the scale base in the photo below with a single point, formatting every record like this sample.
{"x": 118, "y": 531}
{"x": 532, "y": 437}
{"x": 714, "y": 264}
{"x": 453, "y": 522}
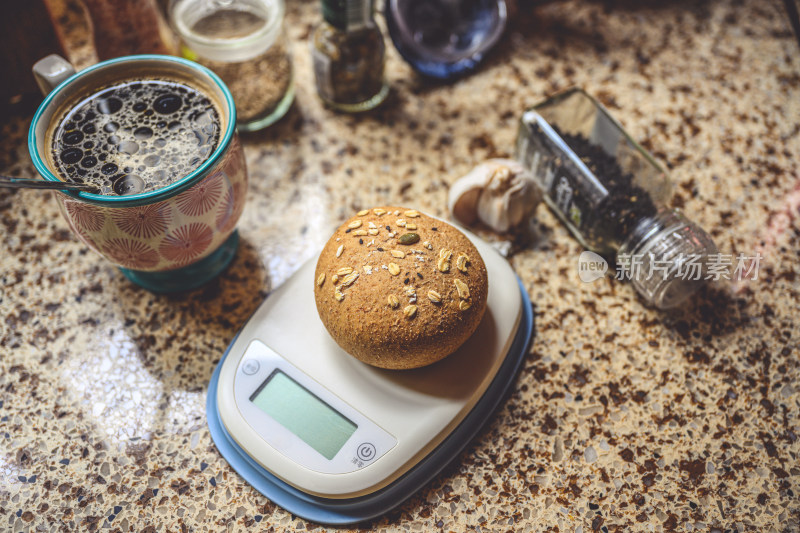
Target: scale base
{"x": 354, "y": 510}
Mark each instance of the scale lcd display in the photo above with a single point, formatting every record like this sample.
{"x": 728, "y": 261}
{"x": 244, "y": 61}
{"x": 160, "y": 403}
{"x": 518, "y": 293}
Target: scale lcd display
{"x": 301, "y": 412}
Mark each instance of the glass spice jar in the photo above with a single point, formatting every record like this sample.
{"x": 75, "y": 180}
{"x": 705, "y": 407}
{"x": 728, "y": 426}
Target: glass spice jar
{"x": 348, "y": 54}
{"x": 243, "y": 42}
{"x": 611, "y": 195}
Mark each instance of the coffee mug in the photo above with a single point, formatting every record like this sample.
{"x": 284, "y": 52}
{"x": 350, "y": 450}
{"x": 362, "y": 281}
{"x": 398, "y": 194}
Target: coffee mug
{"x": 173, "y": 238}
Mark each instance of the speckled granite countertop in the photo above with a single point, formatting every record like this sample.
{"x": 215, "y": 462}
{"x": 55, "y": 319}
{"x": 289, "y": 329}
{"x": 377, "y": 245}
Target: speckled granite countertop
{"x": 623, "y": 418}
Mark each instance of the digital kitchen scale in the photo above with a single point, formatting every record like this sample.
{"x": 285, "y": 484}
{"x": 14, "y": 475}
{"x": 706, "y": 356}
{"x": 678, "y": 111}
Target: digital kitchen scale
{"x": 336, "y": 441}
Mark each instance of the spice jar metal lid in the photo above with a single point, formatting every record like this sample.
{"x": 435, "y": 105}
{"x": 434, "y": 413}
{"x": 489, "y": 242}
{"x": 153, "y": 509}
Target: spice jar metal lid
{"x": 348, "y": 15}
{"x": 666, "y": 258}
{"x": 445, "y": 39}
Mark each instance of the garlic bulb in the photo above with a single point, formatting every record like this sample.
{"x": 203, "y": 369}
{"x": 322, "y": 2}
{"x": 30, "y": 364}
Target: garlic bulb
{"x": 498, "y": 192}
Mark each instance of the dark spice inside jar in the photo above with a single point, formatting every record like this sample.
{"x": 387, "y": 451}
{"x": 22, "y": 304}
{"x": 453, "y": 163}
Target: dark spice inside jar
{"x": 615, "y": 217}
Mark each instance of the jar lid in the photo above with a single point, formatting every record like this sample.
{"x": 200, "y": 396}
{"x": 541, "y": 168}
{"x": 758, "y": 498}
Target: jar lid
{"x": 445, "y": 39}
{"x": 666, "y": 258}
{"x": 348, "y": 15}
{"x": 227, "y": 32}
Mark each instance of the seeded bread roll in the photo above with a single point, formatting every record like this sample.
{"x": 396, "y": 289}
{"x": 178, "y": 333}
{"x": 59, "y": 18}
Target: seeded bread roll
{"x": 398, "y": 289}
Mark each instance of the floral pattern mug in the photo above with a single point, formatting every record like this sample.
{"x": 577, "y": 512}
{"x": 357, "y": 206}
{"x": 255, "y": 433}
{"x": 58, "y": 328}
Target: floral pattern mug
{"x": 170, "y": 239}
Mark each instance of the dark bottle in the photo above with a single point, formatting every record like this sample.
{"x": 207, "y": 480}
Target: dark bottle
{"x": 348, "y": 53}
{"x": 126, "y": 27}
{"x": 28, "y": 32}
{"x": 610, "y": 193}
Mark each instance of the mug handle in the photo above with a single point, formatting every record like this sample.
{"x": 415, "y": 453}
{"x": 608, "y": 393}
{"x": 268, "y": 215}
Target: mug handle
{"x": 50, "y": 71}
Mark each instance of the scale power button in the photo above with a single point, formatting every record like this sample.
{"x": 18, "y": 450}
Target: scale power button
{"x": 366, "y": 451}
{"x": 250, "y": 367}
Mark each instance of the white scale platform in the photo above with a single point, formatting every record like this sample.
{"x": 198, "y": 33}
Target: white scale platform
{"x": 366, "y": 438}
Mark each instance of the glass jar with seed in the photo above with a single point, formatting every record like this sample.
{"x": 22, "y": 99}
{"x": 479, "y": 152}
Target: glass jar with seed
{"x": 611, "y": 195}
{"x": 348, "y": 54}
{"x": 243, "y": 42}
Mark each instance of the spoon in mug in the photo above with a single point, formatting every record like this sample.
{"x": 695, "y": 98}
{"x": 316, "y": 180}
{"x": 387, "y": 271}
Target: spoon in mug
{"x": 21, "y": 183}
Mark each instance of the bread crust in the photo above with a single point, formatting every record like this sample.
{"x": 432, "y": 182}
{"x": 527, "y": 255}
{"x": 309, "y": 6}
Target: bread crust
{"x": 385, "y": 311}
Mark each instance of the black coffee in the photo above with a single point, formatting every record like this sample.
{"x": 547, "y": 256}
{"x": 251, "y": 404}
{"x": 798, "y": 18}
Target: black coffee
{"x": 136, "y": 136}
